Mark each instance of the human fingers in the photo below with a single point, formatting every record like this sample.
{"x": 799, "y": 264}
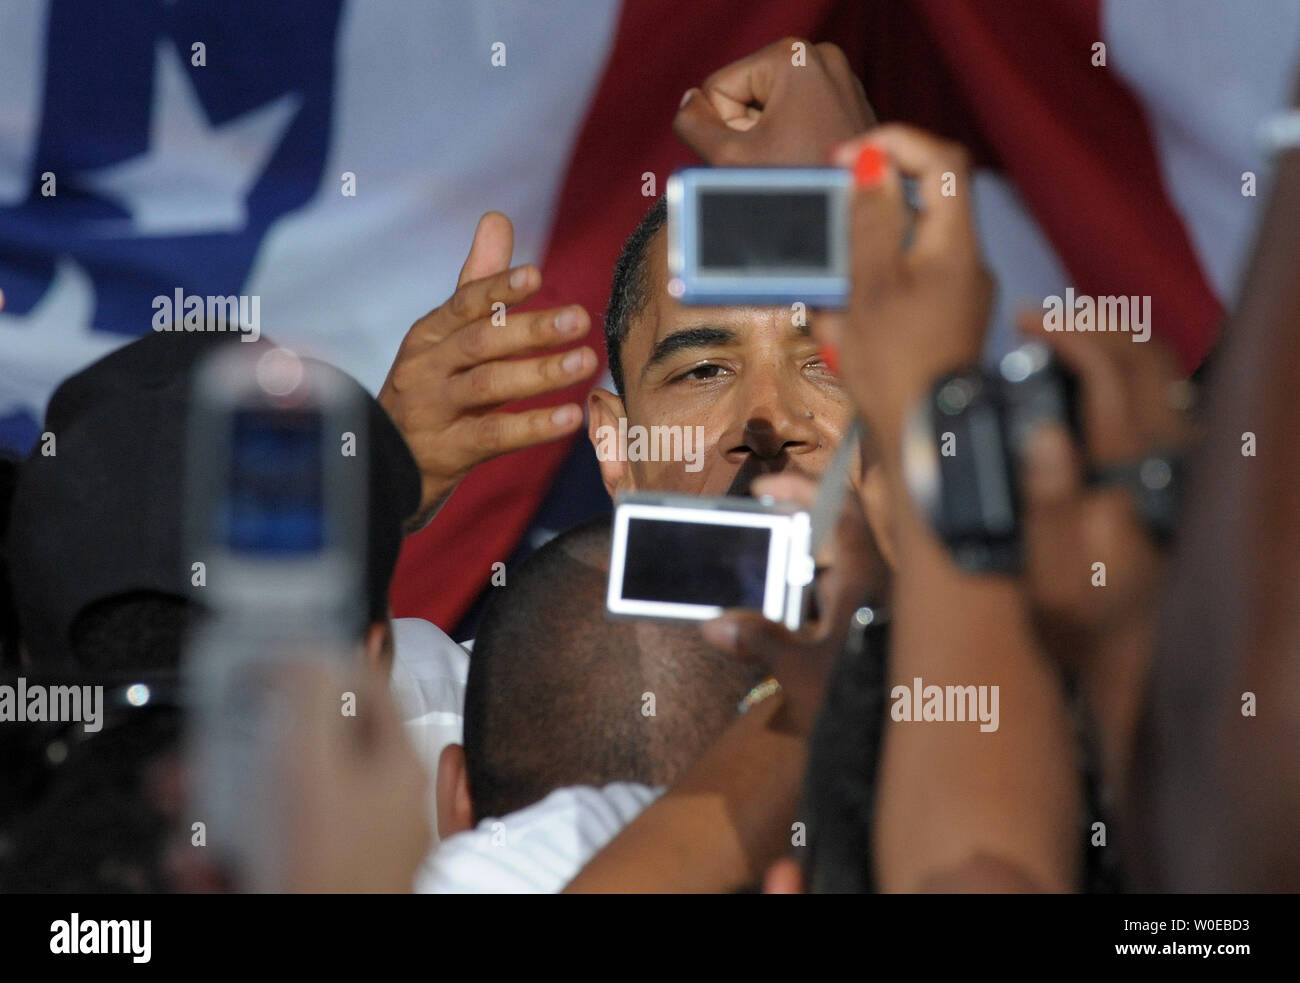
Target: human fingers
{"x": 522, "y": 333}
{"x": 491, "y": 249}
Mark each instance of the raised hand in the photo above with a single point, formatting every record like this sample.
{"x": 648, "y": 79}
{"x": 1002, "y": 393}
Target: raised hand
{"x": 784, "y": 104}
{"x": 460, "y": 363}
{"x": 802, "y": 661}
{"x": 917, "y": 309}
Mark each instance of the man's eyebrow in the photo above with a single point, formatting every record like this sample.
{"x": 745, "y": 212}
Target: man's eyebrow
{"x": 701, "y": 336}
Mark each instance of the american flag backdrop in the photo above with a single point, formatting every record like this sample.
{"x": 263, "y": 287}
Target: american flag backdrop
{"x": 202, "y": 145}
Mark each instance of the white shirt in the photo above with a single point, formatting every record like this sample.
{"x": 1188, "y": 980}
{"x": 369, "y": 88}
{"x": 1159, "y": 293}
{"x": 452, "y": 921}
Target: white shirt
{"x": 428, "y": 686}
{"x": 538, "y": 849}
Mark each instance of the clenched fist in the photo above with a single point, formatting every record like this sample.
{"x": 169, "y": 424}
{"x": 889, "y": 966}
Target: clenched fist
{"x": 786, "y": 104}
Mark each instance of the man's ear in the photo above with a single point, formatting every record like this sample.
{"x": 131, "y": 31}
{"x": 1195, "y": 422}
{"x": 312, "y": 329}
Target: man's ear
{"x": 604, "y": 410}
{"x": 379, "y": 649}
{"x": 455, "y": 810}
{"x": 880, "y": 515}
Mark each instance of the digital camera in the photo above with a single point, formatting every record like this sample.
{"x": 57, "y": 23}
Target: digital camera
{"x": 689, "y": 558}
{"x": 762, "y": 236}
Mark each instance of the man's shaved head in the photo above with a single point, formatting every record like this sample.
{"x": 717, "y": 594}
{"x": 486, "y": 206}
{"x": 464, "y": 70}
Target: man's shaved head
{"x": 558, "y": 695}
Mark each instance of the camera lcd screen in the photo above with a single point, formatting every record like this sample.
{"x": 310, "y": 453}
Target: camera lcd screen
{"x": 696, "y": 563}
{"x": 275, "y": 502}
{"x": 742, "y": 230}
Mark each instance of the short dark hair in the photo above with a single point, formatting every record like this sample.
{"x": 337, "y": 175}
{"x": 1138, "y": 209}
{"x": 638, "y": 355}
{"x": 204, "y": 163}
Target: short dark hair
{"x": 631, "y": 289}
{"x": 556, "y": 694}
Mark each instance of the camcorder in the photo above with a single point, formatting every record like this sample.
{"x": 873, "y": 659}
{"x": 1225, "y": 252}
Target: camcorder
{"x": 963, "y": 448}
{"x": 275, "y": 528}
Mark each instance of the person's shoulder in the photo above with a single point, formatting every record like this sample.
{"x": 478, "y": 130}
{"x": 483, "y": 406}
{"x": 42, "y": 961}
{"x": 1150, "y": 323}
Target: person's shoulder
{"x": 616, "y": 804}
{"x": 537, "y": 849}
{"x": 424, "y": 648}
{"x": 585, "y": 814}
{"x": 429, "y": 670}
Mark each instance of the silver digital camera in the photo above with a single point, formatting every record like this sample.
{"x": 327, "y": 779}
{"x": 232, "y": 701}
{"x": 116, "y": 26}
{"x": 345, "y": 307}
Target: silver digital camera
{"x": 689, "y": 558}
{"x": 764, "y": 236}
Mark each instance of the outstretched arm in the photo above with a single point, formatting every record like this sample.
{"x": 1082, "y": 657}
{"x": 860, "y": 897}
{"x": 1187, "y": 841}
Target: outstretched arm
{"x": 1215, "y": 796}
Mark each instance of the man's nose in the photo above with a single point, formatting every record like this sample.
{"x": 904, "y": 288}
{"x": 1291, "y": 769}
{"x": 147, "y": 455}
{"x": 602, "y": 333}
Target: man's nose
{"x": 777, "y": 418}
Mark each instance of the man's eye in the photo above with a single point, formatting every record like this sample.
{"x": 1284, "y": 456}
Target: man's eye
{"x": 700, "y": 373}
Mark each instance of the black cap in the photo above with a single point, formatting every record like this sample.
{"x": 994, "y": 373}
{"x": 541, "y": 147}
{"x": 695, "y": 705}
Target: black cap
{"x": 102, "y": 516}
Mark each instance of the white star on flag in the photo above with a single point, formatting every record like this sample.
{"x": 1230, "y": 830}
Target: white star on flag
{"x": 195, "y": 178}
{"x": 54, "y": 340}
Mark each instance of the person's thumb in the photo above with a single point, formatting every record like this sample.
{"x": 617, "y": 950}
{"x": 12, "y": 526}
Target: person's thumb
{"x": 879, "y": 214}
{"x": 1052, "y": 490}
{"x": 1050, "y": 468}
{"x": 494, "y": 244}
{"x": 699, "y": 126}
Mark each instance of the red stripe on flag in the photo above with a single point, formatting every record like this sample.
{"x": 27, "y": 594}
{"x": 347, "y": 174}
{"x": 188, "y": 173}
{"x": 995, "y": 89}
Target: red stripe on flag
{"x": 1075, "y": 142}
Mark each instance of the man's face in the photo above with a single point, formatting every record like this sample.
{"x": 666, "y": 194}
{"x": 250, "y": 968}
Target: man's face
{"x": 750, "y": 377}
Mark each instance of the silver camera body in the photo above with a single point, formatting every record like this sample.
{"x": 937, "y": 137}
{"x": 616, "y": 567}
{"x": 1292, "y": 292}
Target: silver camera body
{"x": 762, "y": 236}
{"x": 689, "y": 558}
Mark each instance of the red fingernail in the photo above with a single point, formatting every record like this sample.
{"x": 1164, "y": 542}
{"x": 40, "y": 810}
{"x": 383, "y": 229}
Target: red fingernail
{"x": 869, "y": 168}
{"x": 831, "y": 356}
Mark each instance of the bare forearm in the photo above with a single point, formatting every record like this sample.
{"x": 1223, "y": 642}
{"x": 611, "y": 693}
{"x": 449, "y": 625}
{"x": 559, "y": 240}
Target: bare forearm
{"x": 952, "y": 793}
{"x": 1231, "y": 618}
